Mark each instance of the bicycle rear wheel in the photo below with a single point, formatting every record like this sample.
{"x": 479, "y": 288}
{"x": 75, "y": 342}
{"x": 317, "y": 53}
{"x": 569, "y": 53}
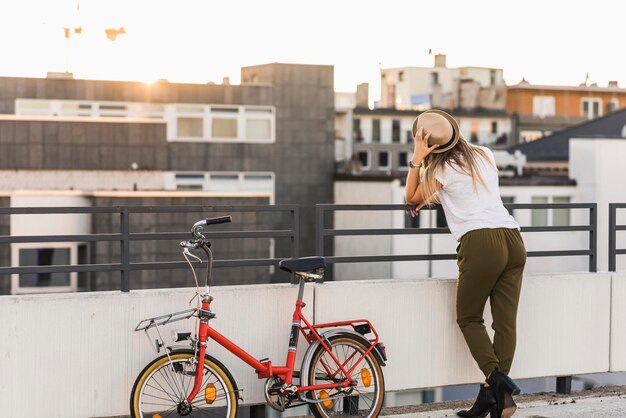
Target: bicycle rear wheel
{"x": 363, "y": 400}
{"x": 161, "y": 388}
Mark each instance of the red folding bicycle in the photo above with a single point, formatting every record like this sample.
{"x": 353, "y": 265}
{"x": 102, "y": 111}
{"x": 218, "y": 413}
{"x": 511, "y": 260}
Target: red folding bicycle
{"x": 340, "y": 373}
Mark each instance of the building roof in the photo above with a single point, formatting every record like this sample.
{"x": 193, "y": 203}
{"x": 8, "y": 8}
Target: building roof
{"x": 555, "y": 147}
{"x": 591, "y": 88}
{"x": 387, "y": 111}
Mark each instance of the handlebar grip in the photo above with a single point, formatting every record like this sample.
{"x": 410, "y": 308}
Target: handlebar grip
{"x": 219, "y": 220}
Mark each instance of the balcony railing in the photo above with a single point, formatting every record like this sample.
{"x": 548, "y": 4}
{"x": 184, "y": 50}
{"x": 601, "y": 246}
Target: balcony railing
{"x": 613, "y": 228}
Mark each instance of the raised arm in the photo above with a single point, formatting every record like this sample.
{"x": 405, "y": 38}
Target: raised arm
{"x": 413, "y": 192}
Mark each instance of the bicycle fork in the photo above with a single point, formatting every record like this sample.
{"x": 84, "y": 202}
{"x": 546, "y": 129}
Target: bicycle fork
{"x": 203, "y": 335}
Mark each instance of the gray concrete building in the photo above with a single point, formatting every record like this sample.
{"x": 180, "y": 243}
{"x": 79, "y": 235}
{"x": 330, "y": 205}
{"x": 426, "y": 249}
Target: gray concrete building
{"x": 269, "y": 140}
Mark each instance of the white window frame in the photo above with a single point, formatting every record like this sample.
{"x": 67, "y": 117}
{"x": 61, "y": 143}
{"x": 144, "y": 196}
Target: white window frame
{"x": 210, "y": 112}
{"x": 16, "y": 289}
{"x": 169, "y": 112}
{"x": 544, "y": 106}
{"x": 389, "y": 162}
{"x": 241, "y": 188}
{"x": 591, "y": 100}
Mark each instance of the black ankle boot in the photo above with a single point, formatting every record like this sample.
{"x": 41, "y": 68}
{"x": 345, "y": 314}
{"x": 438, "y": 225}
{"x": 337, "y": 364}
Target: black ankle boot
{"x": 485, "y": 401}
{"x": 504, "y": 388}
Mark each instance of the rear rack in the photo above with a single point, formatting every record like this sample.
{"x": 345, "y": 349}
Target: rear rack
{"x": 146, "y": 324}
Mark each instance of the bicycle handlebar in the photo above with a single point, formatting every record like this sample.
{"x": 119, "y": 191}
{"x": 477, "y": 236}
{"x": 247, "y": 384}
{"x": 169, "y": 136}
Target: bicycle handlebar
{"x": 197, "y": 228}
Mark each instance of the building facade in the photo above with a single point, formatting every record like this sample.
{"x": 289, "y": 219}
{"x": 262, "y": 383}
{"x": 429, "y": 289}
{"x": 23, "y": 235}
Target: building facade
{"x": 540, "y": 110}
{"x": 268, "y": 140}
{"x": 421, "y": 88}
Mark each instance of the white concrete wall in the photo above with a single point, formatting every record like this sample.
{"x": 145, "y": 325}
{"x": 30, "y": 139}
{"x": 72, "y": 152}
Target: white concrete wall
{"x": 618, "y": 316}
{"x": 79, "y": 355}
{"x": 80, "y": 180}
{"x": 598, "y": 167}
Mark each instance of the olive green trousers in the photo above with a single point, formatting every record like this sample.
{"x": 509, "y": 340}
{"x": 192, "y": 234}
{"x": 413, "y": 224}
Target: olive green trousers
{"x": 491, "y": 263}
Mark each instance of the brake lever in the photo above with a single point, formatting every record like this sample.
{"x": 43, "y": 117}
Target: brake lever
{"x": 189, "y": 253}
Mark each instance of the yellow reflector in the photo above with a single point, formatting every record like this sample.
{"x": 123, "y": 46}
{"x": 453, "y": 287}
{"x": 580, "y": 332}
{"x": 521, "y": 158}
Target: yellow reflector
{"x": 210, "y": 393}
{"x": 366, "y": 377}
{"x": 328, "y": 403}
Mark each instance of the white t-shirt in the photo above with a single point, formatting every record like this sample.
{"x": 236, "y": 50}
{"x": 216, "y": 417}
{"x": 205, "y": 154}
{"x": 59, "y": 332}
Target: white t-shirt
{"x": 468, "y": 209}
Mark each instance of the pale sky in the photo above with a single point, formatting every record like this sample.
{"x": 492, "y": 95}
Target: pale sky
{"x": 547, "y": 41}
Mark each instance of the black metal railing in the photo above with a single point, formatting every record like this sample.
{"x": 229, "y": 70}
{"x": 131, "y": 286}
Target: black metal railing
{"x": 125, "y": 266}
{"x": 613, "y": 228}
{"x": 322, "y": 232}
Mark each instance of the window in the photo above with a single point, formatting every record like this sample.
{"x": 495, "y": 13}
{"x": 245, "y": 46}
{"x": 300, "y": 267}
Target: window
{"x": 494, "y": 127}
{"x": 401, "y": 76}
{"x": 258, "y": 129}
{"x": 383, "y": 160}
{"x": 613, "y": 105}
{"x": 591, "y": 107}
{"x": 223, "y": 128}
{"x": 223, "y": 182}
{"x": 539, "y": 217}
{"x": 543, "y": 106}
{"x": 492, "y": 77}
{"x": 357, "y": 135}
{"x": 403, "y": 160}
{"x": 49, "y": 254}
{"x": 560, "y": 217}
{"x": 395, "y": 130}
{"x": 550, "y": 217}
{"x": 189, "y": 181}
{"x": 189, "y": 127}
{"x": 409, "y": 137}
{"x": 434, "y": 79}
{"x": 376, "y": 130}
{"x": 364, "y": 159}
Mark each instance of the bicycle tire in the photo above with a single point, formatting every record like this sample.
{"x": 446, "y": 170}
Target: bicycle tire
{"x": 370, "y": 390}
{"x": 147, "y": 387}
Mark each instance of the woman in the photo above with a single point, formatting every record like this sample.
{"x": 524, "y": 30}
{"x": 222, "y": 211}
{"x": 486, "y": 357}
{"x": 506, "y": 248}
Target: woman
{"x": 446, "y": 169}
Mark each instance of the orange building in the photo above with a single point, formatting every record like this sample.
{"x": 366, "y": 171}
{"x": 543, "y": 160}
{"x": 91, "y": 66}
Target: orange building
{"x": 540, "y": 110}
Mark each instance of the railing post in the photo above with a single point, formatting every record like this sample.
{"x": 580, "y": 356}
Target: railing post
{"x": 593, "y": 237}
{"x": 319, "y": 230}
{"x": 612, "y": 236}
{"x": 125, "y": 249}
{"x": 295, "y": 238}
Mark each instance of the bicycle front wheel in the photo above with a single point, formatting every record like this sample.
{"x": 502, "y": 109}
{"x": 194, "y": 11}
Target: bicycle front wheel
{"x": 363, "y": 400}
{"x": 162, "y": 387}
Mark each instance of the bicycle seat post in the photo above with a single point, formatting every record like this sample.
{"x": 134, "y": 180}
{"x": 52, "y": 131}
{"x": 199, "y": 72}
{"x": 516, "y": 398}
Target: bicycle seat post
{"x": 302, "y": 281}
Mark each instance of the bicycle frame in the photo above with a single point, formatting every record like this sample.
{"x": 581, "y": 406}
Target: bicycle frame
{"x": 265, "y": 369}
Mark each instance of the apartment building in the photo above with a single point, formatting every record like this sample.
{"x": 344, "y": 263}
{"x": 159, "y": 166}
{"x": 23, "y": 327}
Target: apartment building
{"x": 539, "y": 110}
{"x": 70, "y": 142}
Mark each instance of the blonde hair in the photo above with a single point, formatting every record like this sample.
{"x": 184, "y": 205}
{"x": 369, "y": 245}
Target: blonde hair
{"x": 463, "y": 157}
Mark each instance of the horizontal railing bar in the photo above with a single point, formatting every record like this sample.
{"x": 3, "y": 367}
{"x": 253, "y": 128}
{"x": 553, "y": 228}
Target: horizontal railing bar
{"x": 60, "y": 269}
{"x": 620, "y": 227}
{"x": 556, "y": 228}
{"x": 618, "y": 205}
{"x": 409, "y": 231}
{"x": 212, "y": 235}
{"x": 8, "y": 239}
{"x": 143, "y": 209}
{"x": 619, "y": 252}
{"x": 348, "y": 207}
{"x": 171, "y": 265}
{"x": 380, "y": 231}
{"x": 380, "y": 258}
{"x": 415, "y": 257}
{"x": 558, "y": 253}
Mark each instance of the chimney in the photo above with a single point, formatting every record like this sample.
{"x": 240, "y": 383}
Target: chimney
{"x": 613, "y": 84}
{"x": 362, "y": 95}
{"x": 226, "y": 81}
{"x": 440, "y": 60}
